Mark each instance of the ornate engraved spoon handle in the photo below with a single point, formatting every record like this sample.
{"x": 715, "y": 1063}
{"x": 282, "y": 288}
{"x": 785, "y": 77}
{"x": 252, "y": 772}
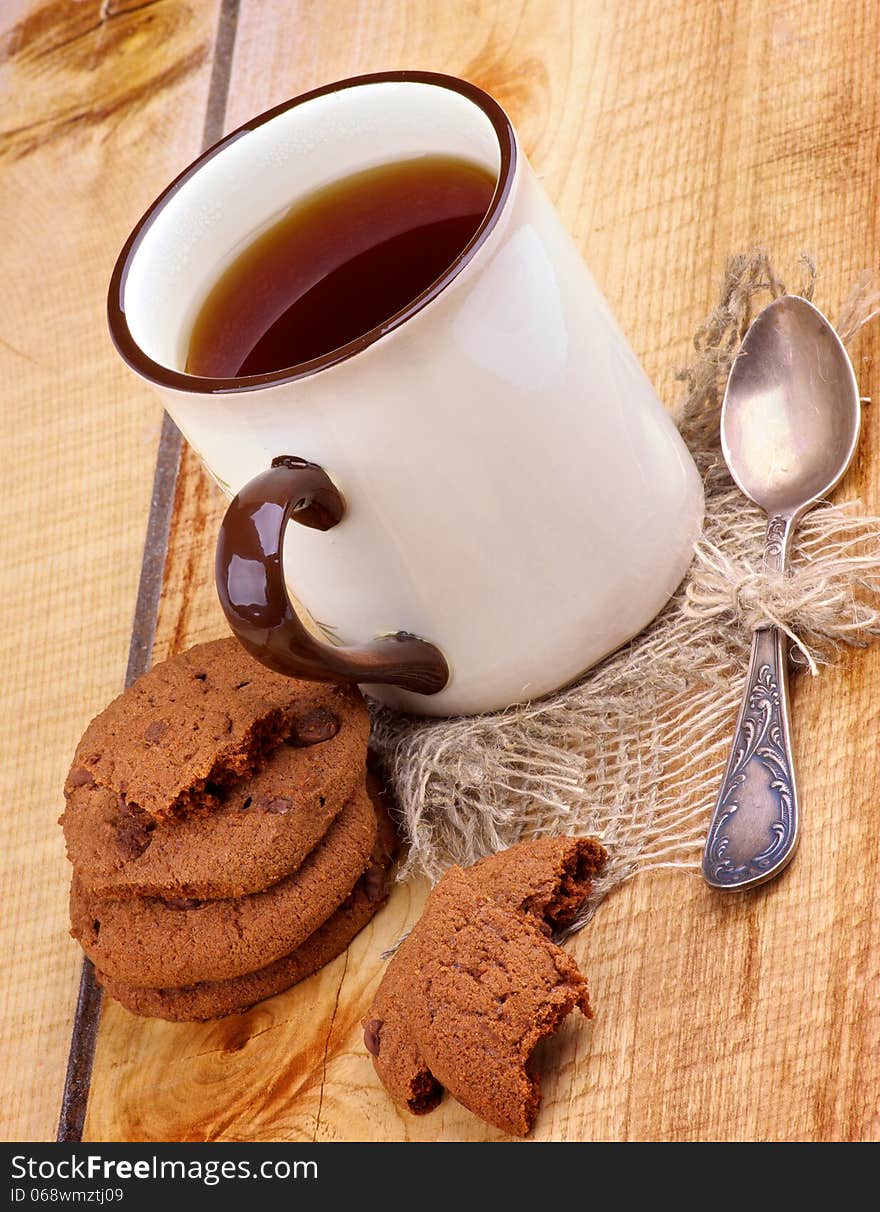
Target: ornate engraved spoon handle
{"x": 754, "y": 829}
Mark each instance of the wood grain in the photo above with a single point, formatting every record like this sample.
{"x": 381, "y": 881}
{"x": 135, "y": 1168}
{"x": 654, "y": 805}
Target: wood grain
{"x": 669, "y": 134}
{"x": 102, "y": 103}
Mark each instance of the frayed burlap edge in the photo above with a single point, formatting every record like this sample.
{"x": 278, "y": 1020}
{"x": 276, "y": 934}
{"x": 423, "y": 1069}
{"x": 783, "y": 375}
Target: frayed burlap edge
{"x": 633, "y": 754}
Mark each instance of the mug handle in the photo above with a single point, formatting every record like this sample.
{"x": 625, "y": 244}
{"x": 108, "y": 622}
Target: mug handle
{"x": 250, "y": 581}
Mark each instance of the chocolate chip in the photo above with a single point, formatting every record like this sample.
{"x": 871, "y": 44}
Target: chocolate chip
{"x": 277, "y": 805}
{"x": 374, "y": 884}
{"x": 80, "y": 777}
{"x": 155, "y": 731}
{"x": 313, "y": 728}
{"x": 371, "y": 1035}
{"x": 134, "y": 830}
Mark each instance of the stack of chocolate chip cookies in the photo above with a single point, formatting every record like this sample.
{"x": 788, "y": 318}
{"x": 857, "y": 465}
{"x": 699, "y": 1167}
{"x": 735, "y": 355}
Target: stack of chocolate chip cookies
{"x": 225, "y": 837}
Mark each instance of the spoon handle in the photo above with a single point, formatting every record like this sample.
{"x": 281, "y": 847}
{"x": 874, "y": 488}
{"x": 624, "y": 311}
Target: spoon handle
{"x": 754, "y": 829}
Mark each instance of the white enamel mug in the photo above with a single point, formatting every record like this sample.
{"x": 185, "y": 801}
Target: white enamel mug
{"x": 490, "y": 471}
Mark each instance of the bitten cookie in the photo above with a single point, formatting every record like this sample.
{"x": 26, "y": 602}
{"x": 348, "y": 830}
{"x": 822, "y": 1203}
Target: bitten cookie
{"x": 159, "y": 942}
{"x": 478, "y": 983}
{"x": 264, "y": 827}
{"x": 195, "y": 723}
{"x": 216, "y": 999}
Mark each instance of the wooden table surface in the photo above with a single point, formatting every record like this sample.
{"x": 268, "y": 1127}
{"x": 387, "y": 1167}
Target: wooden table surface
{"x": 670, "y": 133}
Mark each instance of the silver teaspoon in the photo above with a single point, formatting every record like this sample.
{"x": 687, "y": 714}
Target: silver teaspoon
{"x": 789, "y": 428}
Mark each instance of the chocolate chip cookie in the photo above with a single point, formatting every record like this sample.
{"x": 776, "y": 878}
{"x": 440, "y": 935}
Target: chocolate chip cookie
{"x": 161, "y": 942}
{"x": 478, "y": 983}
{"x": 215, "y": 999}
{"x": 263, "y": 827}
{"x": 197, "y": 722}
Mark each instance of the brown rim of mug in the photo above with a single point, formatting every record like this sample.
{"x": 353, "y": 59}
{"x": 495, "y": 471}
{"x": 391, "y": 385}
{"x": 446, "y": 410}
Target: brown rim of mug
{"x": 164, "y": 376}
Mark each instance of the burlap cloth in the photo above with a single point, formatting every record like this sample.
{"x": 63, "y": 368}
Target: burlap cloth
{"x": 634, "y": 753}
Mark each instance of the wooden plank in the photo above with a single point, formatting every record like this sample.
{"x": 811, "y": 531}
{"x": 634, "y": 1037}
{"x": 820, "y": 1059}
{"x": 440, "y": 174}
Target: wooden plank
{"x": 669, "y": 135}
{"x": 102, "y": 104}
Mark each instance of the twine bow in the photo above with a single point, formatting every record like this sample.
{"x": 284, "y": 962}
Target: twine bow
{"x": 825, "y": 597}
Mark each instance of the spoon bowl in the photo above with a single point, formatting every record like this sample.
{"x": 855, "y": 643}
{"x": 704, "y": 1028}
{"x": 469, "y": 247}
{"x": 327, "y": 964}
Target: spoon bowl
{"x": 791, "y": 412}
